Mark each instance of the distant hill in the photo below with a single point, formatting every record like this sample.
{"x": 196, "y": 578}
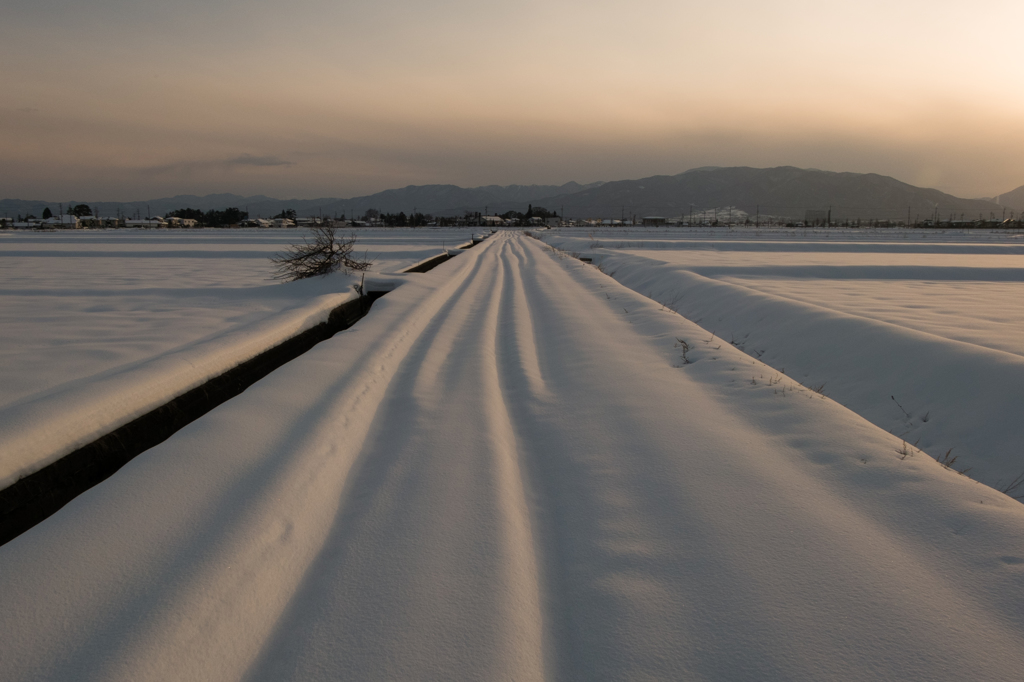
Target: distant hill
{"x": 433, "y": 199}
{"x": 1013, "y": 200}
{"x": 451, "y": 199}
{"x": 783, "y": 192}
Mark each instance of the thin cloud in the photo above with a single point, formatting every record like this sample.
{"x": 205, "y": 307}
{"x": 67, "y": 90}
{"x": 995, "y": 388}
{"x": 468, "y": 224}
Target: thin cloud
{"x": 192, "y": 167}
{"x": 249, "y": 160}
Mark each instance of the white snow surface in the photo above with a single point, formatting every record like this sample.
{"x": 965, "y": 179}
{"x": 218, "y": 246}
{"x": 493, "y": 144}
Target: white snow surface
{"x": 920, "y": 332}
{"x": 100, "y": 327}
{"x": 507, "y": 471}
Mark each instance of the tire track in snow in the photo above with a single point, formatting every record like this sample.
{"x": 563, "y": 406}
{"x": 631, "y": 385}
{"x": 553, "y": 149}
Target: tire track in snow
{"x": 606, "y": 525}
{"x": 430, "y": 571}
{"x": 148, "y": 549}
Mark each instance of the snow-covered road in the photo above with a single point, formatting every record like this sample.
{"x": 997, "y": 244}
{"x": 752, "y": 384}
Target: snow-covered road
{"x": 510, "y": 470}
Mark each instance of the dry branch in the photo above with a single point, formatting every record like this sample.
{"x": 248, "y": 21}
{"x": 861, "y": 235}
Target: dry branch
{"x": 321, "y": 253}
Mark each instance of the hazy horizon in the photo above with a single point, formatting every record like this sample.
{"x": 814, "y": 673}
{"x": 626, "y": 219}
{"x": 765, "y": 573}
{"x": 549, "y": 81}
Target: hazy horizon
{"x": 123, "y": 101}
{"x": 244, "y": 195}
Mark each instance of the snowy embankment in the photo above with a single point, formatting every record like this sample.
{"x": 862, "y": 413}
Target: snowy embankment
{"x": 923, "y": 337}
{"x": 512, "y": 468}
{"x": 98, "y": 328}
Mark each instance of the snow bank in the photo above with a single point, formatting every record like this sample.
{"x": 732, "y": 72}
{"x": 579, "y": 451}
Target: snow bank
{"x": 44, "y": 428}
{"x": 949, "y": 394}
{"x": 100, "y": 327}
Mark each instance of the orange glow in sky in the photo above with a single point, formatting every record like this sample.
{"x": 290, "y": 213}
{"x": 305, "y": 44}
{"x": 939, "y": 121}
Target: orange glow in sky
{"x": 120, "y": 100}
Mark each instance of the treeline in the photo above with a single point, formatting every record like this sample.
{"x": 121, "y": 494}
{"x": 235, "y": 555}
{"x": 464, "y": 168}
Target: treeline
{"x": 211, "y": 218}
{"x": 233, "y": 216}
{"x": 412, "y": 220}
{"x": 531, "y": 212}
{"x": 81, "y": 210}
{"x": 416, "y": 219}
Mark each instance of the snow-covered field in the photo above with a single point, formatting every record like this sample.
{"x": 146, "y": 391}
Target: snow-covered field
{"x": 98, "y": 327}
{"x": 515, "y": 467}
{"x": 921, "y": 332}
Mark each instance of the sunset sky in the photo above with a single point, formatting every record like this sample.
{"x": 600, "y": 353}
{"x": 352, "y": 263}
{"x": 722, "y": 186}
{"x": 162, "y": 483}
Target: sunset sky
{"x": 120, "y": 100}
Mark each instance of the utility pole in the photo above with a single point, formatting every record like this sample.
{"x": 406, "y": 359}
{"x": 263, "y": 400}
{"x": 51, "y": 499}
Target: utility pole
{"x": 757, "y": 220}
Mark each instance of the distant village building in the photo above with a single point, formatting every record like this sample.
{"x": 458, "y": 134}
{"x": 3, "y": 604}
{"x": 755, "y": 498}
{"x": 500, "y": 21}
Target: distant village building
{"x": 492, "y": 220}
{"x": 63, "y": 221}
{"x": 256, "y": 222}
{"x": 654, "y": 220}
{"x": 283, "y": 222}
{"x": 146, "y": 222}
{"x": 181, "y": 222}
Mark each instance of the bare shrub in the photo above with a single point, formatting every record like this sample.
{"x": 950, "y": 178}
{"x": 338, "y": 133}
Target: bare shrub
{"x": 947, "y": 460}
{"x": 1013, "y": 489}
{"x": 684, "y": 348}
{"x": 320, "y": 253}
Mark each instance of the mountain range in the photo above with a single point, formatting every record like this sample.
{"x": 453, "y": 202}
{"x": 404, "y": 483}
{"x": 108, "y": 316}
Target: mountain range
{"x": 427, "y": 199}
{"x": 782, "y": 192}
